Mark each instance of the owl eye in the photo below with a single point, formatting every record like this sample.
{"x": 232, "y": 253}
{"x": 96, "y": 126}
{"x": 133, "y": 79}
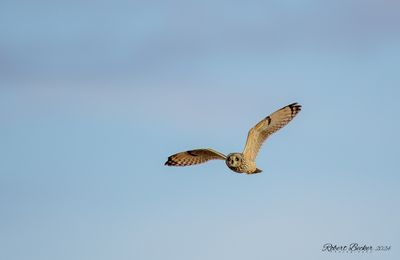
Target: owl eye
{"x": 237, "y": 159}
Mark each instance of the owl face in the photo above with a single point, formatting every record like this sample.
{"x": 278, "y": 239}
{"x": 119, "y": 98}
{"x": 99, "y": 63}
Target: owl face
{"x": 234, "y": 160}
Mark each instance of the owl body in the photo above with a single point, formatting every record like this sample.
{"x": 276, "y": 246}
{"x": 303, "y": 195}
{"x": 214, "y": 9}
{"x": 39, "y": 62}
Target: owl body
{"x": 237, "y": 163}
{"x": 241, "y": 162}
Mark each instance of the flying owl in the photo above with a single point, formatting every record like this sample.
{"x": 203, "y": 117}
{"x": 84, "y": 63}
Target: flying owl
{"x": 241, "y": 162}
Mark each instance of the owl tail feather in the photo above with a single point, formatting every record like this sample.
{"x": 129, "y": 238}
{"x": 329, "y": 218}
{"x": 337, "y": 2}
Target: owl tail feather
{"x": 256, "y": 171}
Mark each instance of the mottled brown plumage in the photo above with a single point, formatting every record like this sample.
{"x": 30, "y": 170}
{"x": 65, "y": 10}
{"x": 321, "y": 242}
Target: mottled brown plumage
{"x": 266, "y": 127}
{"x": 193, "y": 157}
{"x": 241, "y": 162}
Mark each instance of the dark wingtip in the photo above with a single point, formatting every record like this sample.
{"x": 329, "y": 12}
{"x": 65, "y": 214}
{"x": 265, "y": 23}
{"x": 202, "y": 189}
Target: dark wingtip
{"x": 169, "y": 162}
{"x": 295, "y": 108}
{"x": 295, "y": 104}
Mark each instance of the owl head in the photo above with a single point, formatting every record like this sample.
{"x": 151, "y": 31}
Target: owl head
{"x": 234, "y": 160}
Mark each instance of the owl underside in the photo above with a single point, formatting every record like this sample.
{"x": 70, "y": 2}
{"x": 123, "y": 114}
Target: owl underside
{"x": 239, "y": 170}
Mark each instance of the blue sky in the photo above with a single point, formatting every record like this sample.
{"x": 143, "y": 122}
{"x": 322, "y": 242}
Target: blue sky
{"x": 95, "y": 95}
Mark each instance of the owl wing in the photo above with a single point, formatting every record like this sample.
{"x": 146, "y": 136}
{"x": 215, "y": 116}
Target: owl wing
{"x": 193, "y": 157}
{"x": 266, "y": 127}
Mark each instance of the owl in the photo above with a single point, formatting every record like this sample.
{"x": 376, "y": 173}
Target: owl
{"x": 244, "y": 162}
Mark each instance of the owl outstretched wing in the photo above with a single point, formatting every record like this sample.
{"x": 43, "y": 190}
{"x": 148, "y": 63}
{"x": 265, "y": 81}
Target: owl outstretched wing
{"x": 193, "y": 157}
{"x": 266, "y": 127}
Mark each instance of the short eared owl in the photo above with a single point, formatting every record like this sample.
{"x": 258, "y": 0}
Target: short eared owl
{"x": 241, "y": 162}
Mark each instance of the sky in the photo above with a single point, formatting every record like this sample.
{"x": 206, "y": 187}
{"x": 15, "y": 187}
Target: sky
{"x": 95, "y": 95}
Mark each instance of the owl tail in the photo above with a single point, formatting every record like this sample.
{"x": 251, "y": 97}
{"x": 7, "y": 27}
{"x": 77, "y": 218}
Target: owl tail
{"x": 256, "y": 171}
